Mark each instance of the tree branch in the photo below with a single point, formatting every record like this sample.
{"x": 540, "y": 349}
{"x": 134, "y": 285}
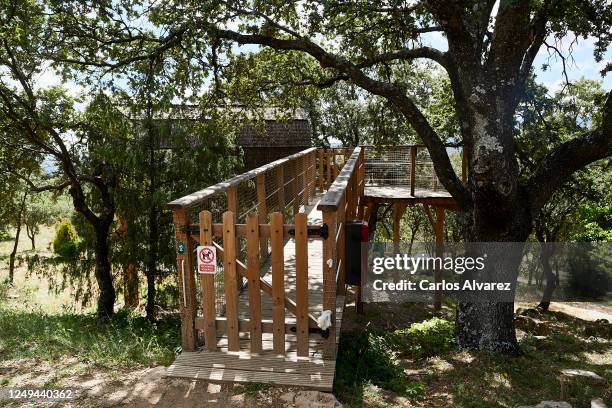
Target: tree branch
{"x": 395, "y": 94}
{"x": 562, "y": 162}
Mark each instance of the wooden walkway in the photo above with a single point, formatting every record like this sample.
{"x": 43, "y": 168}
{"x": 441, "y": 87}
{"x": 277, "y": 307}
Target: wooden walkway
{"x": 267, "y": 367}
{"x": 403, "y": 194}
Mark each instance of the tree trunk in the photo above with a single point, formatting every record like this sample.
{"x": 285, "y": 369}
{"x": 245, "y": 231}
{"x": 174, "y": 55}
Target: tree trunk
{"x": 16, "y": 243}
{"x": 131, "y": 295}
{"x": 30, "y": 233}
{"x": 106, "y": 300}
{"x": 152, "y": 261}
{"x": 551, "y": 280}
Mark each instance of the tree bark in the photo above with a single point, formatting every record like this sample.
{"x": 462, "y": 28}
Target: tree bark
{"x": 103, "y": 273}
{"x": 30, "y": 233}
{"x": 16, "y": 243}
{"x": 152, "y": 262}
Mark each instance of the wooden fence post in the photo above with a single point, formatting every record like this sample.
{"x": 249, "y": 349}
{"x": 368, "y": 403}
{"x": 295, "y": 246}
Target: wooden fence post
{"x": 254, "y": 287}
{"x": 277, "y": 242}
{"x": 340, "y": 255}
{"x": 186, "y": 280}
{"x": 305, "y": 178}
{"x": 207, "y": 282}
{"x": 439, "y": 230}
{"x": 230, "y": 280}
{"x": 280, "y": 181}
{"x": 329, "y": 280}
{"x": 262, "y": 211}
{"x": 413, "y": 156}
{"x": 321, "y": 172}
{"x": 301, "y": 283}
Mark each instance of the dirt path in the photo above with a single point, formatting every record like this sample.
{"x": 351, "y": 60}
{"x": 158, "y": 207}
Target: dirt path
{"x": 147, "y": 387}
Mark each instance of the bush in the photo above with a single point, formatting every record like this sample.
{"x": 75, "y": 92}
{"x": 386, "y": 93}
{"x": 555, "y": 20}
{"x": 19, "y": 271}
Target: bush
{"x": 368, "y": 358}
{"x": 4, "y": 235}
{"x": 66, "y": 241}
{"x": 428, "y": 338}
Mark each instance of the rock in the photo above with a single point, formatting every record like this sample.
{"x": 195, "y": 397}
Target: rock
{"x": 549, "y": 404}
{"x": 315, "y": 399}
{"x": 574, "y": 373}
{"x": 599, "y": 328}
{"x": 531, "y": 325}
{"x": 598, "y": 403}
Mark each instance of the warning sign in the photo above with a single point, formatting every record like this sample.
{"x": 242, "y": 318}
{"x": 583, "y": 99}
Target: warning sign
{"x": 207, "y": 259}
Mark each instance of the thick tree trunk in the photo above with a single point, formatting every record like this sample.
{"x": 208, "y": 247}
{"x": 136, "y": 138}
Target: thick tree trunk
{"x": 106, "y": 300}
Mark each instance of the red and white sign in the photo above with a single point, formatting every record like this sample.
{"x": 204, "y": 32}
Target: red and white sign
{"x": 207, "y": 259}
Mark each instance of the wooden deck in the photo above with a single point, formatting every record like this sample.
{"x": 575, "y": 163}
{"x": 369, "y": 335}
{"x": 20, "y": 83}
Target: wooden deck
{"x": 267, "y": 367}
{"x": 403, "y": 194}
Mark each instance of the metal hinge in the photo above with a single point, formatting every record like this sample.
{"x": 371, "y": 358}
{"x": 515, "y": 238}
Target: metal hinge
{"x": 323, "y": 333}
{"x": 321, "y": 231}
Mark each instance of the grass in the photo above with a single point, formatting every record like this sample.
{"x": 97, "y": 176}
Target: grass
{"x": 437, "y": 374}
{"x": 122, "y": 341}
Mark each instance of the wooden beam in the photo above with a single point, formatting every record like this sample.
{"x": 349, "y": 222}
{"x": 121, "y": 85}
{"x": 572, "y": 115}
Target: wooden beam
{"x": 207, "y": 282}
{"x": 439, "y": 229}
{"x": 278, "y": 281}
{"x": 254, "y": 287}
{"x": 186, "y": 280}
{"x": 301, "y": 283}
{"x": 230, "y": 279}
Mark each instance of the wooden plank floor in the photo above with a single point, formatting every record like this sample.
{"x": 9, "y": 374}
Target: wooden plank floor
{"x": 242, "y": 366}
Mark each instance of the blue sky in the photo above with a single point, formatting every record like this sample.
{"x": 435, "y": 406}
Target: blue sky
{"x": 580, "y": 62}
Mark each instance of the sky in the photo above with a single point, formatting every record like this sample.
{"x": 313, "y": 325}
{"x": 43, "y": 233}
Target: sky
{"x": 581, "y": 62}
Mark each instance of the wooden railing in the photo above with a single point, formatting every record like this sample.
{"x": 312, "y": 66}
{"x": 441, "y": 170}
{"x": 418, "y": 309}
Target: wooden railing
{"x": 408, "y": 166}
{"x": 248, "y": 219}
{"x": 339, "y": 205}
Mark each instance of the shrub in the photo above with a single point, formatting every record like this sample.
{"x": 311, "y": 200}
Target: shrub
{"x": 428, "y": 338}
{"x": 4, "y": 235}
{"x": 66, "y": 241}
{"x": 368, "y": 358}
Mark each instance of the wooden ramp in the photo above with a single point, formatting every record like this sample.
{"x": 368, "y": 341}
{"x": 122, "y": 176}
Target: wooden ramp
{"x": 267, "y": 367}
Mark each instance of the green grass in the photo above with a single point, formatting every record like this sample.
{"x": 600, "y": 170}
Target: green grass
{"x": 122, "y": 341}
{"x": 367, "y": 359}
{"x": 370, "y": 366}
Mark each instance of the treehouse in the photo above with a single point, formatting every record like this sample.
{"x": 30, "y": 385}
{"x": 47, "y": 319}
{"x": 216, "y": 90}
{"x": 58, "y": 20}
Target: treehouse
{"x": 270, "y": 308}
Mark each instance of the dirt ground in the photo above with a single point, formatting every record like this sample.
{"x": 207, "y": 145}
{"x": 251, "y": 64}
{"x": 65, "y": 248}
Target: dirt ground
{"x": 141, "y": 388}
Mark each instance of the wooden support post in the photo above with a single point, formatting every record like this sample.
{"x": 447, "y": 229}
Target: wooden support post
{"x": 330, "y": 262}
{"x": 296, "y": 187}
{"x": 280, "y": 181}
{"x": 413, "y": 157}
{"x": 254, "y": 282}
{"x": 305, "y": 178}
{"x": 341, "y": 256}
{"x": 398, "y": 213}
{"x": 232, "y": 205}
{"x": 262, "y": 211}
{"x": 230, "y": 280}
{"x": 278, "y": 282}
{"x": 321, "y": 170}
{"x": 186, "y": 281}
{"x": 207, "y": 282}
{"x": 439, "y": 230}
{"x": 301, "y": 284}
{"x": 329, "y": 168}
{"x": 336, "y": 164}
